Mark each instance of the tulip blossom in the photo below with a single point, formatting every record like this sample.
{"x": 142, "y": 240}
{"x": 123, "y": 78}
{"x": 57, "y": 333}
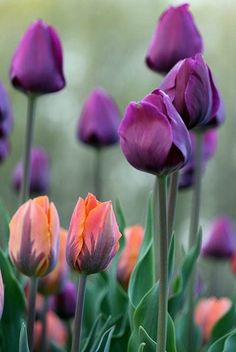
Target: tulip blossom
{"x": 207, "y": 313}
{"x": 34, "y": 237}
{"x": 6, "y": 117}
{"x": 153, "y": 136}
{"x": 64, "y": 303}
{"x": 39, "y": 172}
{"x": 55, "y": 280}
{"x": 221, "y": 241}
{"x": 1, "y": 295}
{"x": 191, "y": 88}
{"x": 99, "y": 120}
{"x": 129, "y": 256}
{"x": 93, "y": 236}
{"x": 37, "y": 65}
{"x": 176, "y": 37}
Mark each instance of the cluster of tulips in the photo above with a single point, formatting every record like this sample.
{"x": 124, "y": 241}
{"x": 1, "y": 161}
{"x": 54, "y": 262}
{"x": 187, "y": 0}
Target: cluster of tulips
{"x": 132, "y": 294}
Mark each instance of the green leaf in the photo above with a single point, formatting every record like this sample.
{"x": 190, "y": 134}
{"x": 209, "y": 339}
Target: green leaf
{"x": 23, "y": 343}
{"x": 218, "y": 346}
{"x": 171, "y": 339}
{"x": 14, "y": 307}
{"x": 56, "y": 348}
{"x": 104, "y": 345}
{"x": 181, "y": 324}
{"x": 4, "y": 227}
{"x": 230, "y": 343}
{"x": 147, "y": 340}
{"x": 120, "y": 217}
{"x": 142, "y": 347}
{"x": 171, "y": 257}
{"x": 90, "y": 339}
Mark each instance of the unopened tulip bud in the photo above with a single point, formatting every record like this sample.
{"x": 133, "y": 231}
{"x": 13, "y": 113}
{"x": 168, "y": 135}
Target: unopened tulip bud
{"x": 1, "y": 295}
{"x": 93, "y": 236}
{"x": 34, "y": 237}
{"x": 64, "y": 303}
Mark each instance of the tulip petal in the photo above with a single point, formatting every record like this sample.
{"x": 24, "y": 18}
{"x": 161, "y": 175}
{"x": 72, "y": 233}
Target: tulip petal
{"x": 1, "y": 295}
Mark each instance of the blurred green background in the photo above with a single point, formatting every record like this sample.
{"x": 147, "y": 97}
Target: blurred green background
{"x": 105, "y": 42}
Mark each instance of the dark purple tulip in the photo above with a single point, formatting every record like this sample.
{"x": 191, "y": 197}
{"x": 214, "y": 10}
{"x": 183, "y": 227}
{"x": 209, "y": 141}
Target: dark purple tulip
{"x": 153, "y": 136}
{"x": 6, "y": 118}
{"x": 191, "y": 89}
{"x": 221, "y": 242}
{"x": 64, "y": 303}
{"x": 4, "y": 149}
{"x": 99, "y": 120}
{"x": 176, "y": 37}
{"x": 39, "y": 172}
{"x": 37, "y": 65}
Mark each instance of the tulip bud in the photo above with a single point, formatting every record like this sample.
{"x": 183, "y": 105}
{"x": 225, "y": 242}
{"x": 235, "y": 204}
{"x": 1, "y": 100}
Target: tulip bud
{"x": 64, "y": 303}
{"x": 36, "y": 66}
{"x": 4, "y": 149}
{"x": 34, "y": 237}
{"x": 176, "y": 37}
{"x": 1, "y": 295}
{"x": 39, "y": 172}
{"x": 6, "y": 117}
{"x": 55, "y": 280}
{"x": 191, "y": 89}
{"x": 129, "y": 256}
{"x": 99, "y": 120}
{"x": 208, "y": 311}
{"x": 221, "y": 241}
{"x": 153, "y": 136}
{"x": 93, "y": 236}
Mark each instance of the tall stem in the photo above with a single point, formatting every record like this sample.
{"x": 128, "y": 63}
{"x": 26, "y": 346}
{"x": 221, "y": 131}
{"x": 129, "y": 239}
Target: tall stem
{"x": 79, "y": 314}
{"x": 163, "y": 265}
{"x": 98, "y": 173}
{"x": 31, "y": 312}
{"x": 194, "y": 225}
{"x": 172, "y": 200}
{"x": 24, "y": 192}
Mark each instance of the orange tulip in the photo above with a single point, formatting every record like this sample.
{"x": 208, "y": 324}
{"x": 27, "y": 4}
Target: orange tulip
{"x": 208, "y": 311}
{"x": 34, "y": 237}
{"x": 1, "y": 295}
{"x": 54, "y": 281}
{"x": 129, "y": 256}
{"x": 93, "y": 236}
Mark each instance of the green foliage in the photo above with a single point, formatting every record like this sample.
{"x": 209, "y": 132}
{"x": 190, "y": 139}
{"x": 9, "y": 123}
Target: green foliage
{"x": 4, "y": 227}
{"x": 181, "y": 324}
{"x": 23, "y": 343}
{"x": 226, "y": 343}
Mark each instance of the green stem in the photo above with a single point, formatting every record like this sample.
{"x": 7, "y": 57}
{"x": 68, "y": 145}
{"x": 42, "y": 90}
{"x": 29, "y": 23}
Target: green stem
{"x": 172, "y": 201}
{"x": 31, "y": 312}
{"x": 79, "y": 314}
{"x": 163, "y": 265}
{"x": 24, "y": 192}
{"x": 155, "y": 230}
{"x": 44, "y": 325}
{"x": 194, "y": 226}
{"x": 98, "y": 173}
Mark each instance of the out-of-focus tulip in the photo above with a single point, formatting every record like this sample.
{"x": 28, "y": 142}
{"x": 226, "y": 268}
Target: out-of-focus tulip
{"x": 6, "y": 117}
{"x": 1, "y": 295}
{"x": 55, "y": 280}
{"x": 37, "y": 65}
{"x": 176, "y": 37}
{"x": 221, "y": 242}
{"x": 64, "y": 303}
{"x": 208, "y": 311}
{"x": 93, "y": 236}
{"x": 4, "y": 149}
{"x": 39, "y": 172}
{"x": 129, "y": 256}
{"x": 99, "y": 120}
{"x": 34, "y": 237}
{"x": 190, "y": 87}
{"x": 153, "y": 136}
{"x": 56, "y": 331}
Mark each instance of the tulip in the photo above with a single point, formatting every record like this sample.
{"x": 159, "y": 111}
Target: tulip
{"x": 55, "y": 280}
{"x": 153, "y": 136}
{"x": 64, "y": 303}
{"x": 221, "y": 241}
{"x": 6, "y": 117}
{"x": 176, "y": 37}
{"x": 36, "y": 66}
{"x": 93, "y": 236}
{"x": 207, "y": 313}
{"x": 1, "y": 295}
{"x": 191, "y": 88}
{"x": 133, "y": 238}
{"x": 99, "y": 120}
{"x": 34, "y": 237}
{"x": 39, "y": 172}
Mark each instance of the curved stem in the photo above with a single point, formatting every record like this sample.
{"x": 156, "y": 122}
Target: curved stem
{"x": 79, "y": 314}
{"x": 31, "y": 312}
{"x": 172, "y": 200}
{"x": 98, "y": 174}
{"x": 24, "y": 192}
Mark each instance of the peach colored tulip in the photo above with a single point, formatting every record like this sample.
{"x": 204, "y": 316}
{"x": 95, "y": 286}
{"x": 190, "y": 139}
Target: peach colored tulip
{"x": 34, "y": 237}
{"x": 93, "y": 236}
{"x": 55, "y": 280}
{"x": 208, "y": 311}
{"x": 1, "y": 295}
{"x": 129, "y": 256}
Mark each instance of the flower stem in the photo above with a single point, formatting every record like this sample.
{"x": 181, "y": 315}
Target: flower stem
{"x": 24, "y": 192}
{"x": 194, "y": 226}
{"x": 98, "y": 174}
{"x": 79, "y": 314}
{"x": 163, "y": 265}
{"x": 44, "y": 325}
{"x": 172, "y": 200}
{"x": 31, "y": 312}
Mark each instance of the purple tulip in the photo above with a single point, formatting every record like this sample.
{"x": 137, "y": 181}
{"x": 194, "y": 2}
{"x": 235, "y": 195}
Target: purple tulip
{"x": 221, "y": 242}
{"x": 99, "y": 120}
{"x": 191, "y": 89}
{"x": 4, "y": 149}
{"x": 176, "y": 37}
{"x": 37, "y": 65}
{"x": 1, "y": 295}
{"x": 153, "y": 136}
{"x": 39, "y": 172}
{"x": 6, "y": 117}
{"x": 64, "y": 303}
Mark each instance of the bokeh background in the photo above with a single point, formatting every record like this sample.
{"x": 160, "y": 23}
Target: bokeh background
{"x": 105, "y": 42}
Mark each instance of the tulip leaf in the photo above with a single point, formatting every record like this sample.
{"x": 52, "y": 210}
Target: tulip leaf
{"x": 220, "y": 344}
{"x": 56, "y": 348}
{"x": 23, "y": 343}
{"x": 105, "y": 342}
{"x": 90, "y": 339}
{"x": 120, "y": 217}
{"x": 230, "y": 343}
{"x": 14, "y": 307}
{"x": 171, "y": 257}
{"x": 142, "y": 347}
{"x": 4, "y": 227}
{"x": 147, "y": 340}
{"x": 181, "y": 324}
